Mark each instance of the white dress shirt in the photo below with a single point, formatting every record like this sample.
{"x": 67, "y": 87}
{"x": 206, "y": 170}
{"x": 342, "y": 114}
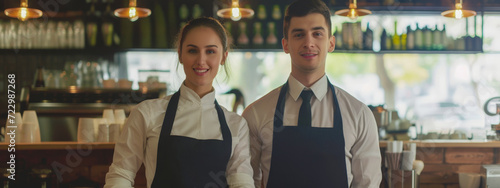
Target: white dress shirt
{"x": 196, "y": 118}
{"x": 362, "y": 152}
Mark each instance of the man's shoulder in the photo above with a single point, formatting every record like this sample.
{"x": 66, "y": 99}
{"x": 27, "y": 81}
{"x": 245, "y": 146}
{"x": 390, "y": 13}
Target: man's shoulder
{"x": 345, "y": 97}
{"x": 266, "y": 100}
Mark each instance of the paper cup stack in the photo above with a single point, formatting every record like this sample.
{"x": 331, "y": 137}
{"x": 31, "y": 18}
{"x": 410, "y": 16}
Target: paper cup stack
{"x": 397, "y": 159}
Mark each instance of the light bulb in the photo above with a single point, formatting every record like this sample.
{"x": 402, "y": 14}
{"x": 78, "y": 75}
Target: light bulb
{"x": 352, "y": 14}
{"x": 132, "y": 14}
{"x": 22, "y": 14}
{"x": 458, "y": 14}
{"x": 235, "y": 14}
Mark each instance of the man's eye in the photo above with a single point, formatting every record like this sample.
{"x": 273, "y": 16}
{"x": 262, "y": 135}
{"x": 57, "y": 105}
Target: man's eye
{"x": 298, "y": 35}
{"x": 318, "y": 34}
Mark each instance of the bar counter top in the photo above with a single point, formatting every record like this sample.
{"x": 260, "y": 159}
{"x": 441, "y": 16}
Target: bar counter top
{"x": 383, "y": 144}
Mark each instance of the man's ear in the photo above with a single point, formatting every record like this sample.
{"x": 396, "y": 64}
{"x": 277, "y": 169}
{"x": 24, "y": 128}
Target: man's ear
{"x": 284, "y": 43}
{"x": 332, "y": 44}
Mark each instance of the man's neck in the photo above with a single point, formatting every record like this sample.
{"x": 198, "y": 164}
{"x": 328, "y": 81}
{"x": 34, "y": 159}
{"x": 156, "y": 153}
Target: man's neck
{"x": 307, "y": 79}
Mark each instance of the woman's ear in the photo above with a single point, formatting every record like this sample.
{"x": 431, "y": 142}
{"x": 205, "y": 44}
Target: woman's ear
{"x": 224, "y": 58}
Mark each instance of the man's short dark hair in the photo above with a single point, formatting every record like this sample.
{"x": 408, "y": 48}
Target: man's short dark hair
{"x": 302, "y": 8}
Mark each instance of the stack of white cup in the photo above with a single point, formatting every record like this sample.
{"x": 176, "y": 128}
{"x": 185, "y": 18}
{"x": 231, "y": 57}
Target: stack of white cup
{"x": 30, "y": 131}
{"x": 109, "y": 128}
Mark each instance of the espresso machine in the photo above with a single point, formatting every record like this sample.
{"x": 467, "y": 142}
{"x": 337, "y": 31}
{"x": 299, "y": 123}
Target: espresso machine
{"x": 58, "y": 110}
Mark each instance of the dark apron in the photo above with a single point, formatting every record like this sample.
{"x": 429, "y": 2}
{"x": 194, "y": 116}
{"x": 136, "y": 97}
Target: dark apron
{"x": 306, "y": 157}
{"x": 184, "y": 162}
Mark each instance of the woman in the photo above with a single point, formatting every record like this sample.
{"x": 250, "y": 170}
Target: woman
{"x": 187, "y": 139}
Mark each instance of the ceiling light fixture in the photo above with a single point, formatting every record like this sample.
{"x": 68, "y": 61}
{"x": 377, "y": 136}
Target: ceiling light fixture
{"x": 458, "y": 12}
{"x": 235, "y": 12}
{"x": 132, "y": 12}
{"x": 23, "y": 12}
{"x": 353, "y": 12}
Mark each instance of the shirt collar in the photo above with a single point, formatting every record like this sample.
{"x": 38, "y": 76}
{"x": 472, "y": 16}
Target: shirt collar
{"x": 319, "y": 88}
{"x": 190, "y": 95}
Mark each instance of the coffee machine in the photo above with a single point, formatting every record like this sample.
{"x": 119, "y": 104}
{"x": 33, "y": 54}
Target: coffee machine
{"x": 58, "y": 110}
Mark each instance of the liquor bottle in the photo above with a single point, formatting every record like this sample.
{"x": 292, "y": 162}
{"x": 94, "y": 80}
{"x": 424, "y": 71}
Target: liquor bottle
{"x": 338, "y": 39}
{"x": 230, "y": 38}
{"x": 183, "y": 15}
{"x": 107, "y": 27}
{"x": 160, "y": 29}
{"x": 197, "y": 11}
{"x": 92, "y": 26}
{"x": 444, "y": 38}
{"x": 383, "y": 38}
{"x": 396, "y": 39}
{"x": 257, "y": 40}
{"x": 419, "y": 39}
{"x": 437, "y": 42}
{"x": 410, "y": 38}
{"x": 271, "y": 40}
{"x": 276, "y": 12}
{"x": 261, "y": 12}
{"x": 427, "y": 38}
{"x": 172, "y": 22}
{"x": 39, "y": 80}
{"x": 388, "y": 42}
{"x": 368, "y": 38}
{"x": 243, "y": 38}
{"x": 404, "y": 38}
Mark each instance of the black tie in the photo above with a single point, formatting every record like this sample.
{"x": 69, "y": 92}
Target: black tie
{"x": 305, "y": 109}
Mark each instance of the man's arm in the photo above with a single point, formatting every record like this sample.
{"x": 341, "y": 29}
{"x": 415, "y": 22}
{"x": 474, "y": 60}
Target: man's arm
{"x": 366, "y": 159}
{"x": 255, "y": 144}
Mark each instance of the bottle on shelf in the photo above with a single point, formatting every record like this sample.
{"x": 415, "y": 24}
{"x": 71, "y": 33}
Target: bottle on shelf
{"x": 230, "y": 39}
{"x": 92, "y": 26}
{"x": 160, "y": 29}
{"x": 419, "y": 39}
{"x": 243, "y": 38}
{"x": 368, "y": 38}
{"x": 107, "y": 27}
{"x": 404, "y": 40}
{"x": 437, "y": 41}
{"x": 276, "y": 12}
{"x": 383, "y": 38}
{"x": 261, "y": 12}
{"x": 197, "y": 11}
{"x": 257, "y": 40}
{"x": 427, "y": 38}
{"x": 410, "y": 38}
{"x": 396, "y": 39}
{"x": 272, "y": 40}
{"x": 39, "y": 79}
{"x": 338, "y": 38}
{"x": 183, "y": 15}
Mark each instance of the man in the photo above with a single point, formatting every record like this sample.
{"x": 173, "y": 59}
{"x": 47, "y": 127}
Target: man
{"x": 331, "y": 139}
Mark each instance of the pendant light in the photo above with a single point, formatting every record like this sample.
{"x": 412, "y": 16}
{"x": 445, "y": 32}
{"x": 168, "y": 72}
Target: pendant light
{"x": 23, "y": 13}
{"x": 458, "y": 12}
{"x": 353, "y": 12}
{"x": 235, "y": 12}
{"x": 132, "y": 12}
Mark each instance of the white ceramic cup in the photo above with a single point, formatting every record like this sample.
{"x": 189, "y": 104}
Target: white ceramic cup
{"x": 86, "y": 130}
{"x": 97, "y": 122}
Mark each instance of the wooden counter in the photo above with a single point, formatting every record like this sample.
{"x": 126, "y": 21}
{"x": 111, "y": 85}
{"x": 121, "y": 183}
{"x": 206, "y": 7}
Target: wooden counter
{"x": 443, "y": 159}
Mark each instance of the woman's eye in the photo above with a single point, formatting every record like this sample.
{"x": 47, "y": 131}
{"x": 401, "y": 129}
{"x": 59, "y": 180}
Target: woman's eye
{"x": 192, "y": 50}
{"x": 210, "y": 51}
